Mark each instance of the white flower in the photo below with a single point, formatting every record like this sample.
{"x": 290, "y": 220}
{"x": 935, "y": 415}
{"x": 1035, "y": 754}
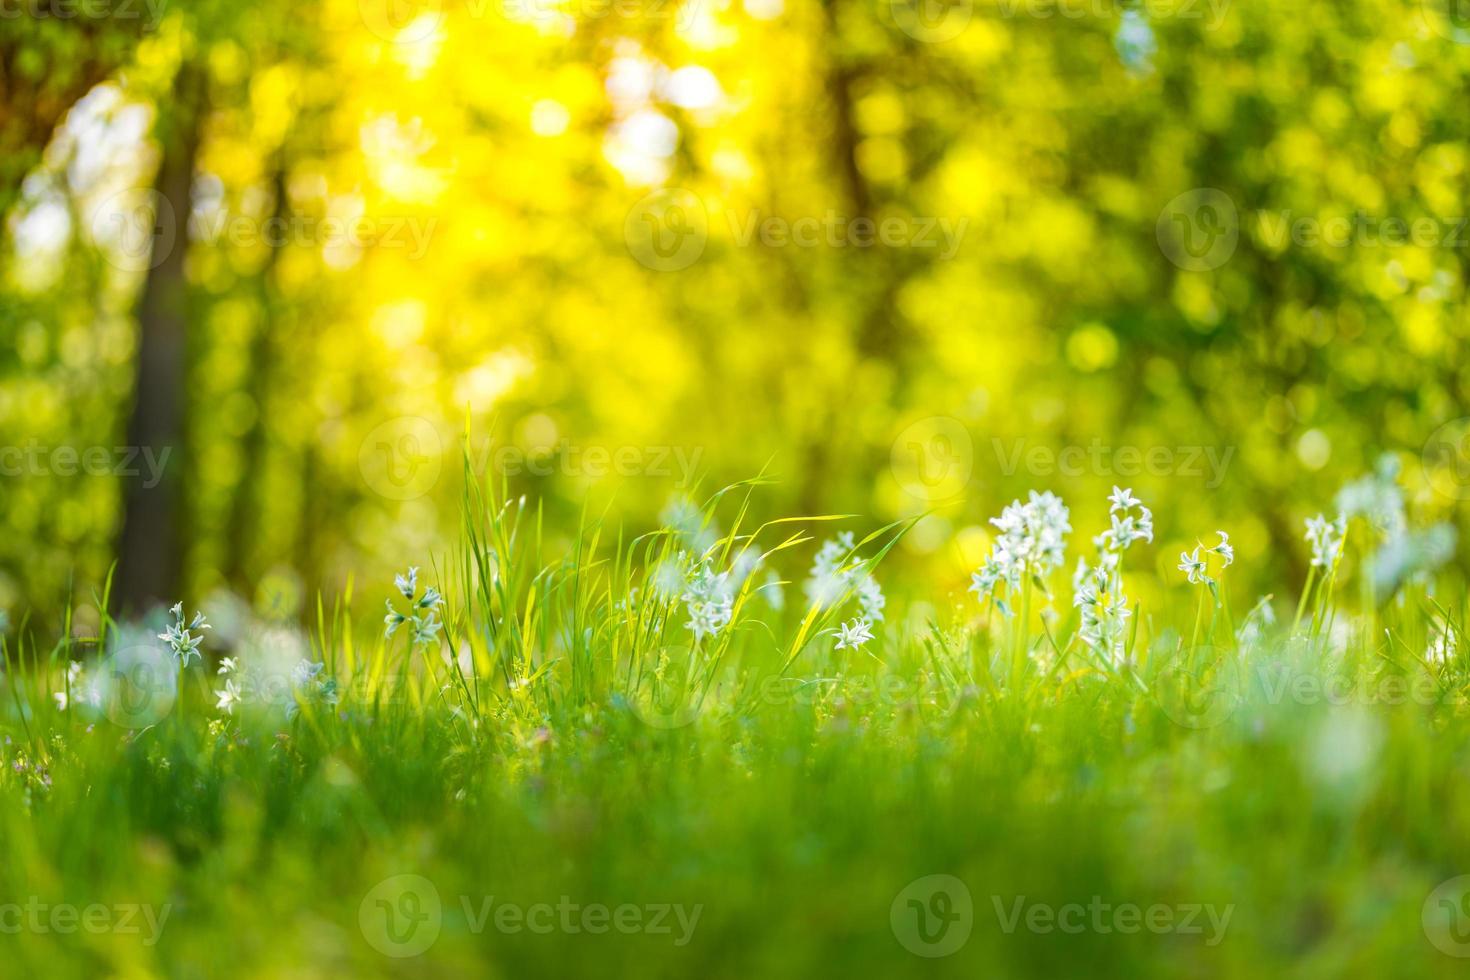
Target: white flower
{"x": 709, "y": 598}
{"x": 407, "y": 584}
{"x": 837, "y": 574}
{"x": 425, "y": 631}
{"x": 1191, "y": 565}
{"x": 180, "y": 637}
{"x": 1376, "y": 497}
{"x": 1097, "y": 591}
{"x": 871, "y": 599}
{"x": 853, "y": 635}
{"x": 393, "y": 620}
{"x": 1121, "y": 500}
{"x": 1326, "y": 539}
{"x": 305, "y": 672}
{"x": 422, "y": 616}
{"x": 61, "y": 700}
{"x": 1224, "y": 550}
{"x": 828, "y": 580}
{"x": 1032, "y": 541}
{"x": 228, "y": 665}
{"x": 228, "y": 696}
{"x": 773, "y": 592}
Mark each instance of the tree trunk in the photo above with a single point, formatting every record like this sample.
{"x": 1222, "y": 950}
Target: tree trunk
{"x": 247, "y": 510}
{"x": 150, "y": 559}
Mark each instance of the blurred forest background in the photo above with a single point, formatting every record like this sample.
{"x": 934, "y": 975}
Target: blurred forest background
{"x": 290, "y": 253}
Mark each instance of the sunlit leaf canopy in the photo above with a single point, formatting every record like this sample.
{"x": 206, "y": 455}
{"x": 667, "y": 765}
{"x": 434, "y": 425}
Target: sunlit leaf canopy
{"x": 408, "y": 223}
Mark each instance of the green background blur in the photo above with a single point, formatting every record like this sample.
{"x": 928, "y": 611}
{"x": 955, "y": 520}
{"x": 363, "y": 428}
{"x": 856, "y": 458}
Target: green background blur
{"x": 900, "y": 257}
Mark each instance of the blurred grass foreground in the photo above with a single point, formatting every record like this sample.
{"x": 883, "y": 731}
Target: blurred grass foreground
{"x": 858, "y": 486}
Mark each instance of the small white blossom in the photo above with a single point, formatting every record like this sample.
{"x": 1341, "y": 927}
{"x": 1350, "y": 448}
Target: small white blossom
{"x": 1191, "y": 565}
{"x": 851, "y": 636}
{"x": 407, "y": 584}
{"x": 1224, "y": 550}
{"x": 227, "y": 697}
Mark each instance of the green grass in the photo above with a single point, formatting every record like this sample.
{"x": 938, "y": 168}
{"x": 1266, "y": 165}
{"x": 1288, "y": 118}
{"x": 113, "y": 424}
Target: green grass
{"x": 1309, "y": 783}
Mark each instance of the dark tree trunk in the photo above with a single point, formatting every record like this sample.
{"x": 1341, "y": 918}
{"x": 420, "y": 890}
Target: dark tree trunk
{"x": 246, "y": 507}
{"x": 150, "y": 554}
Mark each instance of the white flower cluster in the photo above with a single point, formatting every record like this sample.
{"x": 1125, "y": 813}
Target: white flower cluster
{"x": 423, "y": 612}
{"x": 1032, "y": 542}
{"x": 1326, "y": 539}
{"x": 1376, "y": 498}
{"x": 1097, "y": 591}
{"x": 181, "y": 638}
{"x": 835, "y": 574}
{"x": 1404, "y": 553}
{"x": 80, "y": 688}
{"x": 305, "y": 684}
{"x": 710, "y": 598}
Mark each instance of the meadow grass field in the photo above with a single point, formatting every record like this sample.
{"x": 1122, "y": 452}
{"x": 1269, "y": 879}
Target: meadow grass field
{"x": 734, "y": 488}
{"x": 661, "y": 756}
